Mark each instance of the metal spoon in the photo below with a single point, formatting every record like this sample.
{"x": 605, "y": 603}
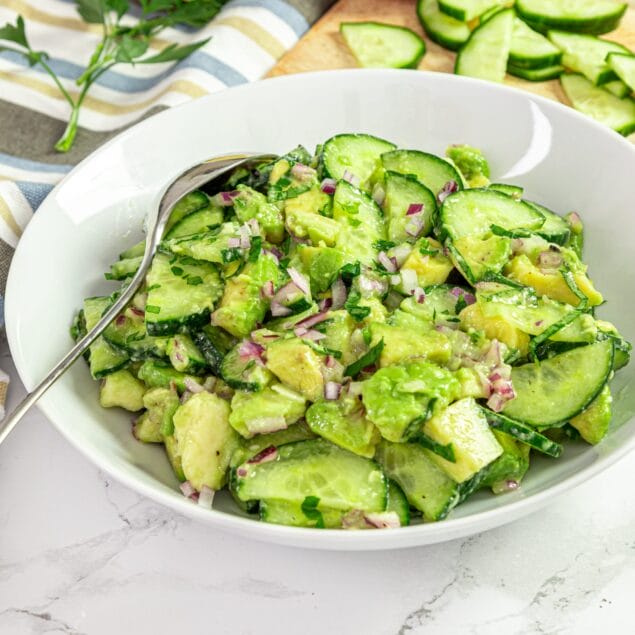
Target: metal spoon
{"x": 187, "y": 182}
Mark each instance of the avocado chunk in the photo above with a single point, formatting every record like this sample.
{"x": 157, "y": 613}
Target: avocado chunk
{"x": 593, "y": 423}
{"x": 322, "y": 265}
{"x": 319, "y": 229}
{"x": 472, "y": 164}
{"x": 161, "y": 404}
{"x": 123, "y": 390}
{"x": 429, "y": 262}
{"x": 345, "y": 425}
{"x": 242, "y": 306}
{"x": 298, "y": 366}
{"x": 401, "y": 344}
{"x": 158, "y": 374}
{"x": 397, "y": 396}
{"x": 205, "y": 439}
{"x": 251, "y": 204}
{"x": 255, "y": 413}
{"x": 313, "y": 200}
{"x": 511, "y": 465}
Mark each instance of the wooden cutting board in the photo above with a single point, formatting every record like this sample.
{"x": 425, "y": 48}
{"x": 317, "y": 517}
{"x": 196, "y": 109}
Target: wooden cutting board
{"x": 323, "y": 48}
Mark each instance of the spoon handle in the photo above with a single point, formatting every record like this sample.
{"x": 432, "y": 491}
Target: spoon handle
{"x": 187, "y": 182}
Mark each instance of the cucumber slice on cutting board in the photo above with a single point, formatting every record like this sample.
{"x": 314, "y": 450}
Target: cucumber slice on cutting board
{"x": 536, "y": 74}
{"x": 466, "y": 10}
{"x": 485, "y": 54}
{"x": 623, "y": 64}
{"x": 441, "y": 28}
{"x": 378, "y": 45}
{"x": 530, "y": 49}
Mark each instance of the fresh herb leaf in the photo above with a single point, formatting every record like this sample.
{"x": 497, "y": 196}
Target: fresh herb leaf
{"x": 310, "y": 510}
{"x": 194, "y": 280}
{"x": 173, "y": 53}
{"x": 350, "y": 271}
{"x": 460, "y": 304}
{"x": 150, "y": 308}
{"x": 15, "y": 33}
{"x": 383, "y": 245}
{"x": 426, "y": 250}
{"x": 254, "y": 250}
{"x": 357, "y": 312}
{"x": 365, "y": 360}
{"x": 91, "y": 11}
{"x": 230, "y": 255}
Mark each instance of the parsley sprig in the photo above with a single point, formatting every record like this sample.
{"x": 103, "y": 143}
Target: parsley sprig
{"x": 120, "y": 43}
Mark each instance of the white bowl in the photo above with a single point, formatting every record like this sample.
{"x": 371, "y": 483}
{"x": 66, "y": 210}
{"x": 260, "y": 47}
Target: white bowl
{"x": 563, "y": 160}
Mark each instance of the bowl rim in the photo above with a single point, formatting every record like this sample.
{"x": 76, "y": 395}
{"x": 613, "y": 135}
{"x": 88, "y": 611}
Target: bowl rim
{"x": 413, "y": 535}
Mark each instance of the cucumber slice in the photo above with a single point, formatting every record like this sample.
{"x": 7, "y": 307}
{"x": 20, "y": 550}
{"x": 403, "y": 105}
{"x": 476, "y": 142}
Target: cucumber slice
{"x": 103, "y": 358}
{"x": 473, "y": 212}
{"x": 401, "y": 192}
{"x": 536, "y": 74}
{"x": 530, "y": 49}
{"x": 428, "y": 169}
{"x": 200, "y": 221}
{"x": 586, "y": 54}
{"x": 618, "y": 88}
{"x": 439, "y": 304}
{"x": 134, "y": 251}
{"x": 514, "y": 191}
{"x": 378, "y": 45}
{"x": 485, "y": 54}
{"x": 581, "y": 16}
{"x": 291, "y": 514}
{"x": 355, "y": 154}
{"x": 441, "y": 28}
{"x": 551, "y": 392}
{"x": 181, "y": 293}
{"x": 214, "y": 343}
{"x": 623, "y": 65}
{"x": 466, "y": 10}
{"x": 185, "y": 356}
{"x": 555, "y": 228}
{"x": 123, "y": 269}
{"x": 210, "y": 246}
{"x": 244, "y": 373}
{"x": 398, "y": 503}
{"x": 340, "y": 479}
{"x": 160, "y": 374}
{"x": 599, "y": 104}
{"x": 426, "y": 486}
{"x": 523, "y": 432}
{"x": 188, "y": 204}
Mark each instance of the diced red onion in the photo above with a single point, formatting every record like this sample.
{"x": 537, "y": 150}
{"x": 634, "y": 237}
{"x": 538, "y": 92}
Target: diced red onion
{"x": 206, "y": 497}
{"x": 192, "y": 385}
{"x": 549, "y": 259}
{"x": 264, "y": 456}
{"x": 313, "y": 320}
{"x": 137, "y": 312}
{"x": 354, "y": 520}
{"x": 225, "y": 199}
{"x": 287, "y": 292}
{"x": 299, "y": 280}
{"x": 351, "y": 178}
{"x": 302, "y": 172}
{"x": 496, "y": 402}
{"x": 329, "y": 361}
{"x": 409, "y": 280}
{"x": 187, "y": 489}
{"x": 539, "y": 322}
{"x": 271, "y": 252}
{"x": 278, "y": 310}
{"x": 517, "y": 245}
{"x": 242, "y": 472}
{"x": 390, "y": 265}
{"x": 328, "y": 186}
{"x": 267, "y": 290}
{"x": 420, "y": 295}
{"x": 245, "y": 241}
{"x": 233, "y": 243}
{"x": 313, "y": 335}
{"x": 121, "y": 320}
{"x": 338, "y": 294}
{"x": 414, "y": 208}
{"x": 449, "y": 188}
{"x": 249, "y": 349}
{"x": 253, "y": 226}
{"x": 414, "y": 227}
{"x": 332, "y": 390}
{"x": 383, "y": 520}
{"x": 469, "y": 298}
{"x": 575, "y": 222}
{"x": 401, "y": 252}
{"x": 265, "y": 425}
{"x": 325, "y": 304}
{"x": 379, "y": 195}
{"x": 281, "y": 389}
{"x": 502, "y": 487}
{"x": 493, "y": 357}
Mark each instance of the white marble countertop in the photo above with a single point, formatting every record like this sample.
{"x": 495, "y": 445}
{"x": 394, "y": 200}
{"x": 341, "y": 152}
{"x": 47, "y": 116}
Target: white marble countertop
{"x": 81, "y": 554}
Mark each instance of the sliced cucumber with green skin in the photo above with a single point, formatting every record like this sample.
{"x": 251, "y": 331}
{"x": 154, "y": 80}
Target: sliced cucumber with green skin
{"x": 214, "y": 343}
{"x": 200, "y": 221}
{"x": 485, "y": 54}
{"x": 599, "y": 104}
{"x": 103, "y": 358}
{"x": 551, "y": 392}
{"x": 530, "y": 49}
{"x": 522, "y": 432}
{"x": 185, "y": 356}
{"x": 428, "y": 169}
{"x": 160, "y": 374}
{"x": 426, "y": 486}
{"x": 291, "y": 514}
{"x": 340, "y": 479}
{"x": 623, "y": 65}
{"x": 398, "y": 503}
{"x": 378, "y": 45}
{"x": 439, "y": 304}
{"x": 402, "y": 193}
{"x": 514, "y": 191}
{"x": 127, "y": 333}
{"x": 536, "y": 74}
{"x": 187, "y": 205}
{"x": 580, "y": 16}
{"x": 467, "y": 10}
{"x": 123, "y": 269}
{"x": 210, "y": 246}
{"x": 587, "y": 54}
{"x": 555, "y": 228}
{"x": 181, "y": 293}
{"x": 618, "y": 88}
{"x": 356, "y": 155}
{"x": 244, "y": 372}
{"x": 473, "y": 212}
{"x": 441, "y": 28}
{"x": 134, "y": 252}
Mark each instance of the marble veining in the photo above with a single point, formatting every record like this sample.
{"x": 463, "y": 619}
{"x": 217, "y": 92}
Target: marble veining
{"x": 82, "y": 555}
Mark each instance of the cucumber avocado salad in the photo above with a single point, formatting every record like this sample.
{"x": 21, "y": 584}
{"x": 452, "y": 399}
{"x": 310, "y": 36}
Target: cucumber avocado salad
{"x": 358, "y": 337}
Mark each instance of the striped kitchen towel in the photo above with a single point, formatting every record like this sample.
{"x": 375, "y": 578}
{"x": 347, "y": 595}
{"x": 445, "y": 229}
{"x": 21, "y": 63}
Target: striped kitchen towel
{"x": 247, "y": 38}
